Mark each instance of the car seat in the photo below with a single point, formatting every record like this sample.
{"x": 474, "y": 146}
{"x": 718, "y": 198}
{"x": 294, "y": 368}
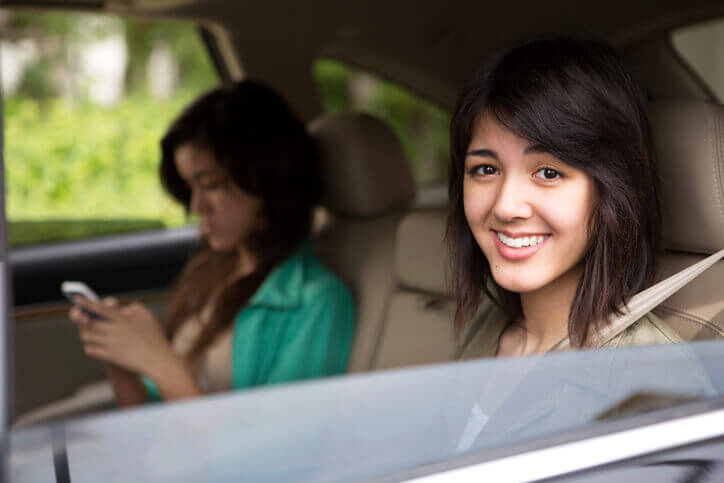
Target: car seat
{"x": 368, "y": 186}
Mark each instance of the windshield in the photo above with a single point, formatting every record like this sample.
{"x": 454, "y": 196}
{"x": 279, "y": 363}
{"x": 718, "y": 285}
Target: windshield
{"x": 367, "y": 426}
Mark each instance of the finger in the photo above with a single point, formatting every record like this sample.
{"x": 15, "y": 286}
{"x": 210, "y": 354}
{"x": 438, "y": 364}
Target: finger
{"x": 136, "y": 310}
{"x": 90, "y": 336}
{"x": 99, "y": 327}
{"x": 95, "y": 351}
{"x": 129, "y": 309}
{"x": 135, "y": 307}
{"x": 98, "y": 308}
{"x": 78, "y": 316}
{"x": 110, "y": 302}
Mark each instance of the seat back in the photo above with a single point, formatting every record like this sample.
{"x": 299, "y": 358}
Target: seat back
{"x": 689, "y": 140}
{"x": 418, "y": 326}
{"x": 368, "y": 187}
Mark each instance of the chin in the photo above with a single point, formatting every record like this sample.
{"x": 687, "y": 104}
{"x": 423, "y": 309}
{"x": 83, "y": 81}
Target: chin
{"x": 516, "y": 283}
{"x": 218, "y": 245}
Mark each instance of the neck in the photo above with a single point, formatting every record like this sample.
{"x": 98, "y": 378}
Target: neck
{"x": 247, "y": 262}
{"x": 547, "y": 309}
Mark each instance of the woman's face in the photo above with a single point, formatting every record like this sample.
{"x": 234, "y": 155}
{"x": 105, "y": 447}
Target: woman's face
{"x": 527, "y": 210}
{"x": 227, "y": 215}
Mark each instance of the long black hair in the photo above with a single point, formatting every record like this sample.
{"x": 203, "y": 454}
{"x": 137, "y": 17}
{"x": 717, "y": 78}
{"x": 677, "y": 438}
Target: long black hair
{"x": 266, "y": 151}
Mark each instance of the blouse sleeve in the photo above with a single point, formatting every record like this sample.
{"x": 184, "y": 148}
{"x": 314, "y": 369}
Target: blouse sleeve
{"x": 154, "y": 395}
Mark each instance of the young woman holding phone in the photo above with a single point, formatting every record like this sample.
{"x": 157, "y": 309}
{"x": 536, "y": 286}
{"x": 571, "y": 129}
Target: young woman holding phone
{"x": 255, "y": 307}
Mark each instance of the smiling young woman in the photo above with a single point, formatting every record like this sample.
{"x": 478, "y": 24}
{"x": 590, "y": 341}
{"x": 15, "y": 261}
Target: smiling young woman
{"x": 554, "y": 218}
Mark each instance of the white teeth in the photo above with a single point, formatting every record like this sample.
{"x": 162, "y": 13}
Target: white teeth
{"x": 520, "y": 242}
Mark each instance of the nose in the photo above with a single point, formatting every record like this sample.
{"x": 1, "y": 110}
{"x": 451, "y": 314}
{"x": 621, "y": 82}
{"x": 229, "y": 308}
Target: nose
{"x": 513, "y": 201}
{"x": 198, "y": 204}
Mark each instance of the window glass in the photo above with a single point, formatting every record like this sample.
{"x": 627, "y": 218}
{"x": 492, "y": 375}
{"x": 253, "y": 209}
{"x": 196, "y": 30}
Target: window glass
{"x": 421, "y": 126}
{"x": 702, "y": 47}
{"x": 86, "y": 101}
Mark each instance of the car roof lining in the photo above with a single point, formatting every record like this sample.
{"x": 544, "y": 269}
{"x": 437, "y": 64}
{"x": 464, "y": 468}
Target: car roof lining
{"x": 433, "y": 51}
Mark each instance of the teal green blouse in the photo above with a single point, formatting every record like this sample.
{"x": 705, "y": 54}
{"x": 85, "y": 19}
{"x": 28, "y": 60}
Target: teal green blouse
{"x": 298, "y": 325}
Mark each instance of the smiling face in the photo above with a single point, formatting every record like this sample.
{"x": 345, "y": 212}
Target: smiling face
{"x": 227, "y": 214}
{"x": 528, "y": 211}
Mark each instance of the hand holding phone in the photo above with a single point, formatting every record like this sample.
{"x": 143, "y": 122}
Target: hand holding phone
{"x": 71, "y": 289}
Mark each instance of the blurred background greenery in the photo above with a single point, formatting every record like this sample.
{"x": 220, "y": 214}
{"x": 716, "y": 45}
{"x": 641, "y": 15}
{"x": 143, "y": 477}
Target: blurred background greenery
{"x": 87, "y": 99}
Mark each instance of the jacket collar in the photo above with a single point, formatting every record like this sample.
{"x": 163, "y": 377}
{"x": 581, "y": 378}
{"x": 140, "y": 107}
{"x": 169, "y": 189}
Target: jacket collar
{"x": 282, "y": 288}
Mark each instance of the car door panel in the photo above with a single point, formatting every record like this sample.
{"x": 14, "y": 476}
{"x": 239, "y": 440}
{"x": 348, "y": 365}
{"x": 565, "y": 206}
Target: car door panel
{"x": 49, "y": 361}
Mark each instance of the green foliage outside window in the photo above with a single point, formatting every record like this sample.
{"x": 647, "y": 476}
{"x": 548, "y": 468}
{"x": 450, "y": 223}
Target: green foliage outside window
{"x": 76, "y": 168}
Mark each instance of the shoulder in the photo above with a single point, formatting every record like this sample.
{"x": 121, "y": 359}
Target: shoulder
{"x": 482, "y": 335}
{"x": 320, "y": 283}
{"x": 648, "y": 330}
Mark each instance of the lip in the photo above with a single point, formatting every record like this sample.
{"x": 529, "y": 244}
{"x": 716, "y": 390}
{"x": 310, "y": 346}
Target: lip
{"x": 517, "y": 253}
{"x": 205, "y": 228}
{"x": 520, "y": 234}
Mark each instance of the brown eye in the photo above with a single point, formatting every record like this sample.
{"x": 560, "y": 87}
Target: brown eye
{"x": 484, "y": 170}
{"x": 211, "y": 183}
{"x": 548, "y": 174}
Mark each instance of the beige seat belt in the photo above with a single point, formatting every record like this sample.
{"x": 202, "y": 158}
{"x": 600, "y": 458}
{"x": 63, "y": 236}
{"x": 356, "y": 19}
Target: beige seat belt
{"x": 644, "y": 301}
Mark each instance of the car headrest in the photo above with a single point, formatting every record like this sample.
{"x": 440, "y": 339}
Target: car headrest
{"x": 689, "y": 141}
{"x": 420, "y": 253}
{"x": 364, "y": 169}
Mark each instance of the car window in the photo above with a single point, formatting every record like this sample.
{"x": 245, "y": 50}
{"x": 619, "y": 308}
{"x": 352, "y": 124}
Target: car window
{"x": 87, "y": 99}
{"x": 384, "y": 425}
{"x": 421, "y": 126}
{"x": 701, "y": 46}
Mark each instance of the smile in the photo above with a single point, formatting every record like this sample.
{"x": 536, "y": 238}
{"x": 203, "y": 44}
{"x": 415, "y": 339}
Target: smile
{"x": 522, "y": 241}
{"x": 519, "y": 247}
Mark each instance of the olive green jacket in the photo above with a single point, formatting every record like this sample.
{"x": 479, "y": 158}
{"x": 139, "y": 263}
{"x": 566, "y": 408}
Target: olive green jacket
{"x": 482, "y": 337}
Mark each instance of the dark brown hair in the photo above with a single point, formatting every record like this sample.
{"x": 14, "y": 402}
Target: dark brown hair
{"x": 576, "y": 99}
{"x": 266, "y": 151}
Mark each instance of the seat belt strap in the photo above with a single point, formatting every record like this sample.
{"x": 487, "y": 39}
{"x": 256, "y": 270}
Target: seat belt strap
{"x": 644, "y": 301}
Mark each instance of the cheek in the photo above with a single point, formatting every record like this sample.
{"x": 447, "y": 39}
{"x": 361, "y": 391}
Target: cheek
{"x": 568, "y": 213}
{"x": 243, "y": 212}
{"x": 478, "y": 201}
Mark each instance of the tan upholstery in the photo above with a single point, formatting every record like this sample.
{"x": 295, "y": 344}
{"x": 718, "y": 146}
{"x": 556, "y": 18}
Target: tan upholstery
{"x": 362, "y": 253}
{"x": 368, "y": 187}
{"x": 419, "y": 321}
{"x": 689, "y": 139}
{"x": 420, "y": 259}
{"x": 696, "y": 312}
{"x": 364, "y": 169}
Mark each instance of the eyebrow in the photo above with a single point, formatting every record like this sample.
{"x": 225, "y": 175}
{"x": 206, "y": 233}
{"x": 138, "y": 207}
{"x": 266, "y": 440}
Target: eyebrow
{"x": 489, "y": 153}
{"x": 536, "y": 149}
{"x": 484, "y": 153}
{"x": 205, "y": 172}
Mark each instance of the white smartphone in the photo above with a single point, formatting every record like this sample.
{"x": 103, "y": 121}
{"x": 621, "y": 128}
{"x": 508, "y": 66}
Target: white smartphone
{"x": 70, "y": 289}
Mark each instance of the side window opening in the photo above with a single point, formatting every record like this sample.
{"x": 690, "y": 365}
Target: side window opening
{"x": 421, "y": 126}
{"x": 87, "y": 99}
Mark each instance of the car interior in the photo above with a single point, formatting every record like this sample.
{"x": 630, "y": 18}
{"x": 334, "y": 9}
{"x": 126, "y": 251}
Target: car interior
{"x": 377, "y": 230}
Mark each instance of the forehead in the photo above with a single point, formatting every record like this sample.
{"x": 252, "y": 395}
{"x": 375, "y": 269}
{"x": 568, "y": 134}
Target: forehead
{"x": 489, "y": 132}
{"x": 191, "y": 160}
